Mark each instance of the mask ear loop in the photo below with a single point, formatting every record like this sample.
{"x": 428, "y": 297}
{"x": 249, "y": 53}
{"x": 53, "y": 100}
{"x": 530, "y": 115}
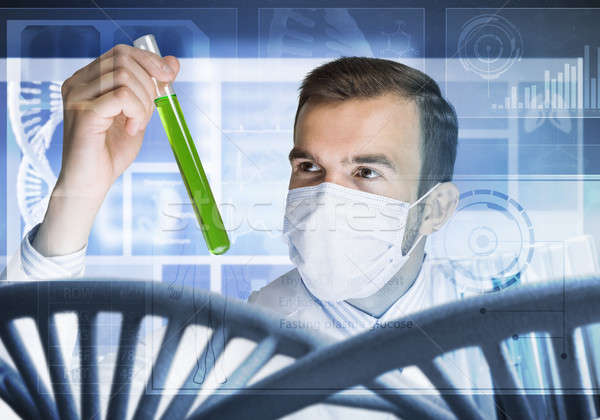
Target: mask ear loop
{"x": 414, "y": 245}
{"x": 425, "y": 195}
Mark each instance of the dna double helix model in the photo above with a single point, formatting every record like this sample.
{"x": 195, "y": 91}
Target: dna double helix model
{"x": 34, "y": 112}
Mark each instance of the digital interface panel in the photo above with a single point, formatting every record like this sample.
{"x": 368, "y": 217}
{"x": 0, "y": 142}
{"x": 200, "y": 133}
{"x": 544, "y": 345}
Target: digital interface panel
{"x": 528, "y": 162}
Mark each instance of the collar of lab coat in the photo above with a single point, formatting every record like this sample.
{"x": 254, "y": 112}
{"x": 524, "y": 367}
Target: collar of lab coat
{"x": 355, "y": 320}
{"x": 288, "y": 296}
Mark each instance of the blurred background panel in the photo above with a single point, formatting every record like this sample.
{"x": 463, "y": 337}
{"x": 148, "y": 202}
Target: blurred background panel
{"x": 524, "y": 82}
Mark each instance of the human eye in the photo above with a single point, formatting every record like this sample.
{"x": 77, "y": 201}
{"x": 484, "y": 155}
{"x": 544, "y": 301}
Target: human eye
{"x": 367, "y": 173}
{"x": 307, "y": 166}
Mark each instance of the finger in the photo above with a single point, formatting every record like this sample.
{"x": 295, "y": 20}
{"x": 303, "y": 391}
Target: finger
{"x": 135, "y": 66}
{"x": 122, "y": 54}
{"x": 119, "y": 100}
{"x": 152, "y": 63}
{"x": 173, "y": 62}
{"x": 81, "y": 73}
{"x": 113, "y": 80}
{"x": 142, "y": 76}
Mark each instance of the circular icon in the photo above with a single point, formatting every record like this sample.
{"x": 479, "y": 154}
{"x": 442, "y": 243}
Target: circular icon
{"x": 489, "y": 45}
{"x": 488, "y": 242}
{"x": 483, "y": 241}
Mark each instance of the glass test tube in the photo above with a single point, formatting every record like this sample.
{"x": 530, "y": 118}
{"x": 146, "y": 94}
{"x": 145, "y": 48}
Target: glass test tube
{"x": 187, "y": 159}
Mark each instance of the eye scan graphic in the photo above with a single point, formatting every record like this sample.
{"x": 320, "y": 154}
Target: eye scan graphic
{"x": 300, "y": 209}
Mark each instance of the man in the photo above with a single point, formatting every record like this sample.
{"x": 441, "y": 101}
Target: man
{"x": 383, "y": 128}
{"x": 373, "y": 156}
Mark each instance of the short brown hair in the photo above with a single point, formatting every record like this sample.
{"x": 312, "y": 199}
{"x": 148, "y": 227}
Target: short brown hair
{"x": 364, "y": 77}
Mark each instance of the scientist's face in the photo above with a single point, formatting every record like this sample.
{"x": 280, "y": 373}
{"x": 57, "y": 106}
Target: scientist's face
{"x": 369, "y": 144}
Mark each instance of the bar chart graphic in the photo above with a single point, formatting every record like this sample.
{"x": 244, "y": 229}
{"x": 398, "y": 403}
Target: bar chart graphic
{"x": 511, "y": 70}
{"x": 574, "y": 88}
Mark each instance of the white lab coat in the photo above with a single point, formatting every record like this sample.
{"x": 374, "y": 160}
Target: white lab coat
{"x": 288, "y": 296}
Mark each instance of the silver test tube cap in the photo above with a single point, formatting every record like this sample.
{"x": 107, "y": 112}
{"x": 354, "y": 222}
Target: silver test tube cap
{"x": 148, "y": 43}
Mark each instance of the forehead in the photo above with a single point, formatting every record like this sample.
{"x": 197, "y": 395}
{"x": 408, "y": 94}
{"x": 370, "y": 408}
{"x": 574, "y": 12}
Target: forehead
{"x": 386, "y": 124}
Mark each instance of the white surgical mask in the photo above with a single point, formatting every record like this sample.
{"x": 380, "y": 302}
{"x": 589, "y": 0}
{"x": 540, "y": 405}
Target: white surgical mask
{"x": 344, "y": 242}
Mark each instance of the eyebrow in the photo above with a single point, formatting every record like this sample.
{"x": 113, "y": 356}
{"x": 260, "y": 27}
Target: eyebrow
{"x": 296, "y": 153}
{"x": 375, "y": 158}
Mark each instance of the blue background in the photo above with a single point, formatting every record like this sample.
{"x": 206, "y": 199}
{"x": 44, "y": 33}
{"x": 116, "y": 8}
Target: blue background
{"x": 256, "y": 117}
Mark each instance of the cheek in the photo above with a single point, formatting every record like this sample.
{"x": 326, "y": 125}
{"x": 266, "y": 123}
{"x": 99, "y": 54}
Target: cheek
{"x": 297, "y": 181}
{"x": 375, "y": 187}
{"x": 293, "y": 182}
{"x": 396, "y": 188}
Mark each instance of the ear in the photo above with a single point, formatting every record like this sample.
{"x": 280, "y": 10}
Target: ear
{"x": 438, "y": 207}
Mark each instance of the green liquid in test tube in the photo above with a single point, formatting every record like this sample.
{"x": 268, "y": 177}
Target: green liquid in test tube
{"x": 187, "y": 159}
